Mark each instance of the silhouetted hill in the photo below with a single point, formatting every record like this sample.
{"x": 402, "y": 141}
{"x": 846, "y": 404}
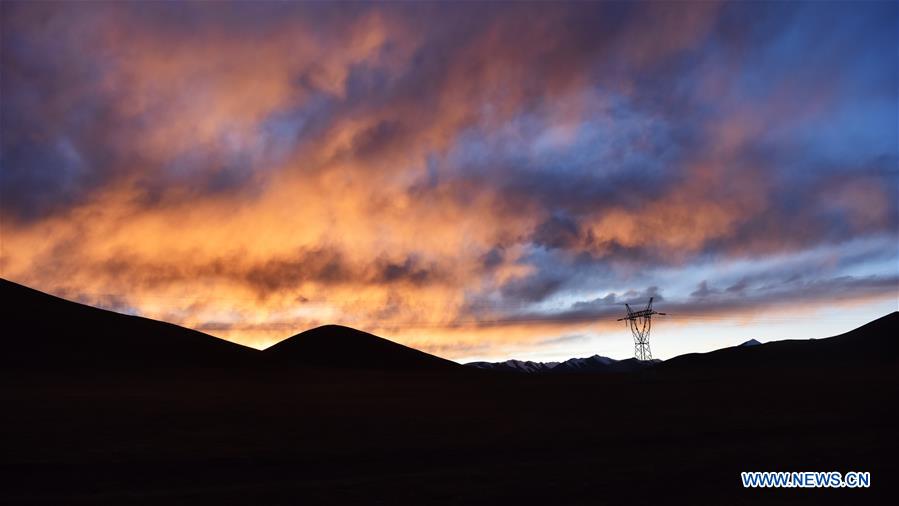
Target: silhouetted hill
{"x": 42, "y": 331}
{"x": 336, "y": 346}
{"x": 354, "y": 436}
{"x": 874, "y": 343}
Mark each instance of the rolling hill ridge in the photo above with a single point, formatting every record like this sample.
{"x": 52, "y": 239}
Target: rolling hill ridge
{"x": 50, "y": 332}
{"x": 45, "y": 331}
{"x": 336, "y": 346}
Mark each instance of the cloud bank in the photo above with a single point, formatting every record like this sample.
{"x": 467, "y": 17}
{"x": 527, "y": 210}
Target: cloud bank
{"x": 454, "y": 176}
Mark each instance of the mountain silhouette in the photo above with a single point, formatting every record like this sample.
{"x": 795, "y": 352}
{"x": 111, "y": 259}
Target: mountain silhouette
{"x": 873, "y": 343}
{"x": 600, "y": 364}
{"x": 588, "y": 365}
{"x": 51, "y": 332}
{"x": 334, "y": 428}
{"x": 336, "y": 346}
{"x": 517, "y": 366}
{"x": 44, "y": 331}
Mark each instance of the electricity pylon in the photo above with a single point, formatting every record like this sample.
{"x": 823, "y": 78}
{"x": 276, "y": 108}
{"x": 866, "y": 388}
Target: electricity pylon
{"x": 640, "y": 322}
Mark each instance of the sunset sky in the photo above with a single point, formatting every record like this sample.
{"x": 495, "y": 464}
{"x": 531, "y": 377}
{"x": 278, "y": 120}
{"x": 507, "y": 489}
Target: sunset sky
{"x": 480, "y": 181}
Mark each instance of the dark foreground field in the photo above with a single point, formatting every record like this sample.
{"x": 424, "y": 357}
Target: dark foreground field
{"x": 441, "y": 438}
{"x": 270, "y": 433}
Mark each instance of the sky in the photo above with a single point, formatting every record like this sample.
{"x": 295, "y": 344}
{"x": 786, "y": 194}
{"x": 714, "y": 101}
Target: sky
{"x": 476, "y": 180}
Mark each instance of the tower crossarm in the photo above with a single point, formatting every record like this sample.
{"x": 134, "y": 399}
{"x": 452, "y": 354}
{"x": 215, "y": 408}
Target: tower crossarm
{"x": 640, "y": 314}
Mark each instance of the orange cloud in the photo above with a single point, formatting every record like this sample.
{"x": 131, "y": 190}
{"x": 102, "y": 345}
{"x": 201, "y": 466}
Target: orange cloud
{"x": 253, "y": 172}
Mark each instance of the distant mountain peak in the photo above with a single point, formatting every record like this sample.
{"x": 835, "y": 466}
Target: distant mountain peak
{"x": 751, "y": 342}
{"x": 592, "y": 364}
{"x": 514, "y": 365}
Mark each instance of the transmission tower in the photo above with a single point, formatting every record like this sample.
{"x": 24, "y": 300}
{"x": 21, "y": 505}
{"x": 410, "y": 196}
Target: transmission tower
{"x": 640, "y": 322}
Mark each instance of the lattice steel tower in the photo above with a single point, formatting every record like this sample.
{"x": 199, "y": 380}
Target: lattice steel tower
{"x": 640, "y": 322}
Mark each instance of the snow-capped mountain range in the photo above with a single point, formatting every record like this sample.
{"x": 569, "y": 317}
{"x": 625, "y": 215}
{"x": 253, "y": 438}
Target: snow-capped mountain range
{"x": 593, "y": 364}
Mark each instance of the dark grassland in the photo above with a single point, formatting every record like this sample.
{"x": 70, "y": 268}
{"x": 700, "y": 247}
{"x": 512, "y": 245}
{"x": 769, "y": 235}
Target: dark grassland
{"x": 212, "y": 437}
{"x": 101, "y": 408}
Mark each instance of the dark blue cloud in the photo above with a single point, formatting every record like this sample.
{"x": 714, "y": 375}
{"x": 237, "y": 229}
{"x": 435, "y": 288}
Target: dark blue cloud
{"x": 780, "y": 116}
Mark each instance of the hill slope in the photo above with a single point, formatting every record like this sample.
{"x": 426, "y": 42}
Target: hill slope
{"x": 335, "y": 346}
{"x": 871, "y": 344}
{"x": 43, "y": 331}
